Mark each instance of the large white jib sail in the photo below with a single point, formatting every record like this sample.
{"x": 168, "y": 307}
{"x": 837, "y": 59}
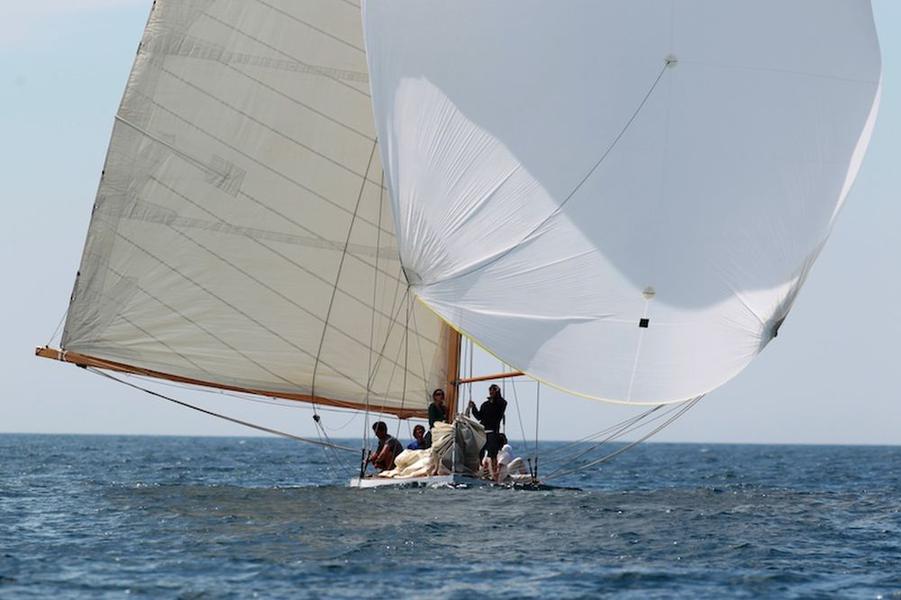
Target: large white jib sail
{"x": 241, "y": 236}
{"x": 621, "y": 198}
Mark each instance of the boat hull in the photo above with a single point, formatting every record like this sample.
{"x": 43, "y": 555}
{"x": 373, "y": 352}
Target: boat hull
{"x": 430, "y": 481}
{"x": 455, "y": 481}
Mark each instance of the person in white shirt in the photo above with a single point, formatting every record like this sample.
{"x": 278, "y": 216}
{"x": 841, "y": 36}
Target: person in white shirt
{"x": 507, "y": 464}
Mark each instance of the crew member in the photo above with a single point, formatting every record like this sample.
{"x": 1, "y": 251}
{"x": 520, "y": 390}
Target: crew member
{"x": 437, "y": 408}
{"x": 491, "y": 415}
{"x": 388, "y": 448}
{"x": 419, "y": 442}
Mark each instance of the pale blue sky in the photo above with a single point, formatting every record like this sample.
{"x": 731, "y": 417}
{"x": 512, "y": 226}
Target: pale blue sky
{"x": 832, "y": 376}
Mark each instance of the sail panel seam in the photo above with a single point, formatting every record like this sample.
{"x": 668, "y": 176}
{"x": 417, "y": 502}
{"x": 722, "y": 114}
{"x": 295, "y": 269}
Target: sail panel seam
{"x": 283, "y": 53}
{"x": 311, "y": 26}
{"x": 286, "y": 258}
{"x": 238, "y": 310}
{"x": 296, "y": 101}
{"x": 265, "y": 126}
{"x": 209, "y": 333}
{"x": 245, "y": 155}
{"x": 266, "y": 286}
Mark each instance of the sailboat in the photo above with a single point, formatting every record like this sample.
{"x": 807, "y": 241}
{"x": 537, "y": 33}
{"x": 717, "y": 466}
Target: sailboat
{"x": 621, "y": 200}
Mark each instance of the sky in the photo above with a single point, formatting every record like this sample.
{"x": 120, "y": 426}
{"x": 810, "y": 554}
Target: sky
{"x": 832, "y": 376}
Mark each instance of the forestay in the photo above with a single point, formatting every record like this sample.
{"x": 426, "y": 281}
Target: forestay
{"x": 243, "y": 163}
{"x": 619, "y": 198}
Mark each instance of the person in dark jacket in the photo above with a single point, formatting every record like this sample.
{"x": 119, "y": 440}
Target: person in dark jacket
{"x": 437, "y": 408}
{"x": 491, "y": 415}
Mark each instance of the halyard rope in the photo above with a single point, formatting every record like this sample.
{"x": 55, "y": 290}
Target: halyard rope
{"x": 221, "y": 416}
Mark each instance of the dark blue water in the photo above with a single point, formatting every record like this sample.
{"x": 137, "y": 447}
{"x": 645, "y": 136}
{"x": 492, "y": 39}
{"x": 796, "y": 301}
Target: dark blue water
{"x": 86, "y": 516}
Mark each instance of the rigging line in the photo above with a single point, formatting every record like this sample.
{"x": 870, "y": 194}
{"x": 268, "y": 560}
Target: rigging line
{"x": 501, "y": 254}
{"x": 58, "y": 326}
{"x": 353, "y": 416}
{"x": 537, "y": 408}
{"x": 624, "y": 430}
{"x": 218, "y": 415}
{"x": 396, "y": 361}
{"x": 394, "y": 321}
{"x": 471, "y": 354}
{"x": 403, "y": 394}
{"x": 331, "y": 302}
{"x": 375, "y": 287}
{"x": 628, "y": 422}
{"x": 337, "y": 459}
{"x": 328, "y": 462}
{"x": 614, "y": 433}
{"x": 656, "y": 430}
{"x": 621, "y": 430}
{"x": 522, "y": 428}
{"x": 628, "y": 426}
{"x": 593, "y": 436}
{"x": 418, "y": 337}
{"x": 273, "y": 401}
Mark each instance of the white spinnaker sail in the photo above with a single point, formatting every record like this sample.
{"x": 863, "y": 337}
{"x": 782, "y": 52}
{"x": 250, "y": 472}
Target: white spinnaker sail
{"x": 619, "y": 198}
{"x": 234, "y": 180}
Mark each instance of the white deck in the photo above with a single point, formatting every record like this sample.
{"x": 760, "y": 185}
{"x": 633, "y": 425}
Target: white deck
{"x": 432, "y": 481}
{"x": 458, "y": 480}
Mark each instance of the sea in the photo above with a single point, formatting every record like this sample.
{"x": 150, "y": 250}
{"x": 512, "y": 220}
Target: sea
{"x": 180, "y": 517}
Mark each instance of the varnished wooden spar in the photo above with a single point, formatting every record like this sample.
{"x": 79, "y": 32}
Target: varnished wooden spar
{"x": 454, "y": 344}
{"x": 490, "y": 377}
{"x": 83, "y": 360}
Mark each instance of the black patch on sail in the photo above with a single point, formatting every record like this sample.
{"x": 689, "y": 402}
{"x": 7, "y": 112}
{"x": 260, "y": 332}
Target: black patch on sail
{"x": 643, "y": 323}
{"x": 777, "y": 325}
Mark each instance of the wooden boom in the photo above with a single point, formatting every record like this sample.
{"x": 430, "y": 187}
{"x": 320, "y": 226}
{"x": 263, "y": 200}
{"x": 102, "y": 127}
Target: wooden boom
{"x": 490, "y": 377}
{"x": 83, "y": 360}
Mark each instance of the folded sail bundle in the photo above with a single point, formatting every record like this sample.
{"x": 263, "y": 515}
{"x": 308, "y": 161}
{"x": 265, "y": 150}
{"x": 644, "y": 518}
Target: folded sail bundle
{"x": 621, "y": 199}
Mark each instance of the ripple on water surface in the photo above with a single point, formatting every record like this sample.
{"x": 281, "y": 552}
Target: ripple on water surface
{"x": 181, "y": 517}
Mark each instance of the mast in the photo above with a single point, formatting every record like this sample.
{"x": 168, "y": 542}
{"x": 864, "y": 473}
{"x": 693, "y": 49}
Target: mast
{"x": 454, "y": 344}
